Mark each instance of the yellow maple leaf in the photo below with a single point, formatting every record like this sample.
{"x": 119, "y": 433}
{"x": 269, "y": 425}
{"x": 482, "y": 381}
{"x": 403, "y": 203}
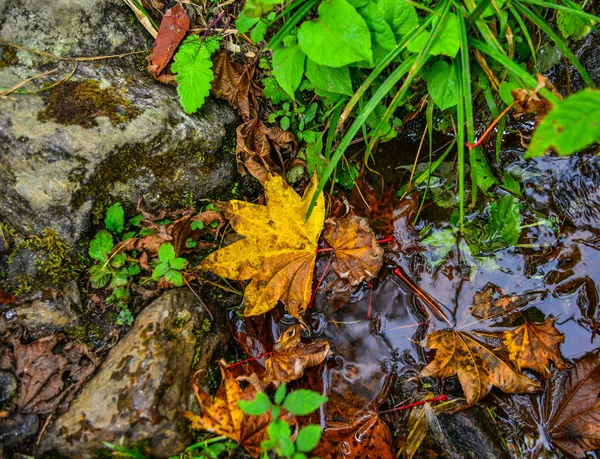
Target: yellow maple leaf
{"x": 278, "y": 251}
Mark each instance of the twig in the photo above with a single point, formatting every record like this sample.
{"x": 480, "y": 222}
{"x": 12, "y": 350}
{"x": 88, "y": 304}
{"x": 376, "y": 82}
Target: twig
{"x": 197, "y": 297}
{"x": 24, "y": 82}
{"x": 78, "y": 59}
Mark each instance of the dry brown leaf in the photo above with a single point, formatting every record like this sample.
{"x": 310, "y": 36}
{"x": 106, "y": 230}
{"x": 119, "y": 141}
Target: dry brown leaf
{"x": 5, "y": 298}
{"x": 530, "y": 101}
{"x": 222, "y": 415}
{"x": 278, "y": 251}
{"x": 290, "y": 356}
{"x": 490, "y": 302}
{"x": 368, "y": 436}
{"x": 173, "y": 27}
{"x": 532, "y": 345}
{"x": 478, "y": 366}
{"x": 358, "y": 255}
{"x": 234, "y": 83}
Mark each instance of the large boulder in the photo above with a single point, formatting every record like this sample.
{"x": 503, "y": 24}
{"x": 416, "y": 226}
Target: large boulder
{"x": 109, "y": 133}
{"x": 143, "y": 387}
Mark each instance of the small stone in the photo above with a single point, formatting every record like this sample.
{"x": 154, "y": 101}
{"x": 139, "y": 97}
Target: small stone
{"x": 17, "y": 428}
{"x": 8, "y": 387}
{"x": 144, "y": 385}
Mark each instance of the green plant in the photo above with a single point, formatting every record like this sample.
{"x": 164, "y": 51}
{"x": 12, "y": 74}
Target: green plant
{"x": 299, "y": 403}
{"x": 169, "y": 265}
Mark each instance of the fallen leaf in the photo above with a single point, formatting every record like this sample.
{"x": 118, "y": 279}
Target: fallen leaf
{"x": 290, "y": 356}
{"x": 478, "y": 367}
{"x": 490, "y": 302}
{"x": 222, "y": 415}
{"x": 533, "y": 345}
{"x": 367, "y": 436}
{"x": 379, "y": 210}
{"x": 5, "y": 298}
{"x": 531, "y": 101}
{"x": 278, "y": 251}
{"x": 173, "y": 27}
{"x": 358, "y": 255}
{"x": 235, "y": 84}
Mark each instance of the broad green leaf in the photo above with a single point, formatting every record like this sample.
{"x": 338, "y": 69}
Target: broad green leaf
{"x": 314, "y": 159}
{"x": 259, "y": 8}
{"x": 484, "y": 177}
{"x": 303, "y": 401}
{"x": 442, "y": 84}
{"x": 160, "y": 270}
{"x": 166, "y": 252}
{"x": 288, "y": 68}
{"x": 280, "y": 393}
{"x": 570, "y": 126}
{"x": 119, "y": 280}
{"x": 571, "y": 25}
{"x": 244, "y": 23}
{"x": 308, "y": 438}
{"x": 115, "y": 218}
{"x": 101, "y": 246}
{"x": 440, "y": 243}
{"x": 99, "y": 276}
{"x": 505, "y": 221}
{"x": 505, "y": 91}
{"x": 178, "y": 263}
{"x": 259, "y": 31}
{"x": 260, "y": 405}
{"x": 358, "y": 3}
{"x": 382, "y": 35}
{"x": 338, "y": 37}
{"x": 118, "y": 260}
{"x": 332, "y": 80}
{"x": 400, "y": 15}
{"x": 193, "y": 72}
{"x": 273, "y": 91}
{"x": 174, "y": 277}
{"x": 134, "y": 270}
{"x": 448, "y": 42}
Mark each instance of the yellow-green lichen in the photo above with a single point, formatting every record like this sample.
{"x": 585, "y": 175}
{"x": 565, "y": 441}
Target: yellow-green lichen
{"x": 8, "y": 56}
{"x": 80, "y": 102}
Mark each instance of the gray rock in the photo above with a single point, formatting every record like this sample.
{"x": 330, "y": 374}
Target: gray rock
{"x": 144, "y": 385}
{"x": 109, "y": 134}
{"x": 46, "y": 313}
{"x": 8, "y": 387}
{"x": 17, "y": 428}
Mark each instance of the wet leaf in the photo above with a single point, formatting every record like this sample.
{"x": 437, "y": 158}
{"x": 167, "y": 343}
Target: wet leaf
{"x": 490, "y": 302}
{"x": 531, "y": 101}
{"x": 358, "y": 255}
{"x": 223, "y": 416}
{"x": 379, "y": 210}
{"x": 367, "y": 436}
{"x": 278, "y": 251}
{"x": 235, "y": 84}
{"x": 291, "y": 356}
{"x": 533, "y": 345}
{"x": 173, "y": 27}
{"x": 477, "y": 365}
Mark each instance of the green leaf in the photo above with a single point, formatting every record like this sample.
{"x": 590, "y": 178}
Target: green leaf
{"x": 160, "y": 270}
{"x": 339, "y": 36}
{"x": 484, "y": 177}
{"x": 118, "y": 260}
{"x": 442, "y": 84}
{"x": 99, "y": 276}
{"x": 280, "y": 393}
{"x": 382, "y": 35}
{"x": 303, "y": 401}
{"x": 125, "y": 317}
{"x": 571, "y": 25}
{"x": 193, "y": 72}
{"x": 197, "y": 225}
{"x": 115, "y": 218}
{"x": 119, "y": 280}
{"x": 259, "y": 31}
{"x": 177, "y": 263}
{"x": 244, "y": 23}
{"x": 448, "y": 42}
{"x": 332, "y": 80}
{"x": 308, "y": 438}
{"x": 505, "y": 91}
{"x": 260, "y": 405}
{"x": 400, "y": 15}
{"x": 273, "y": 91}
{"x": 134, "y": 270}
{"x": 174, "y": 277}
{"x": 166, "y": 252}
{"x": 259, "y": 8}
{"x": 288, "y": 68}
{"x": 505, "y": 221}
{"x": 439, "y": 243}
{"x": 570, "y": 126}
{"x": 511, "y": 184}
{"x": 101, "y": 246}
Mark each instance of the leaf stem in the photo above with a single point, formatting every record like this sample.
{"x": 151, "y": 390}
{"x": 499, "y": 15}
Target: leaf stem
{"x": 441, "y": 398}
{"x": 260, "y": 356}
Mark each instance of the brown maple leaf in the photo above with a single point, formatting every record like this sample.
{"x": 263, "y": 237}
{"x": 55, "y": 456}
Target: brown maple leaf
{"x": 234, "y": 83}
{"x": 532, "y": 345}
{"x": 173, "y": 27}
{"x": 491, "y": 302}
{"x": 358, "y": 255}
{"x": 477, "y": 365}
{"x": 531, "y": 101}
{"x": 222, "y": 415}
{"x": 290, "y": 356}
{"x": 378, "y": 210}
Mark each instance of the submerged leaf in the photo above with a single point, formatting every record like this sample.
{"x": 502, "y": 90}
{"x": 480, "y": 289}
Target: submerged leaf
{"x": 478, "y": 366}
{"x": 278, "y": 251}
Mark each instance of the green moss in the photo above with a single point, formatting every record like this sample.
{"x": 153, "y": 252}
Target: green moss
{"x": 179, "y": 322}
{"x": 206, "y": 325}
{"x": 196, "y": 359}
{"x": 8, "y": 56}
{"x": 80, "y": 102}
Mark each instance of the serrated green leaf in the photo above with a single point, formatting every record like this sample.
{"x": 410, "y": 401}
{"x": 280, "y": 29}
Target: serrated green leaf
{"x": 308, "y": 438}
{"x": 273, "y": 91}
{"x": 260, "y": 405}
{"x": 115, "y": 218}
{"x": 118, "y": 260}
{"x": 442, "y": 84}
{"x": 288, "y": 68}
{"x": 160, "y": 270}
{"x": 177, "y": 263}
{"x": 570, "y": 126}
{"x": 400, "y": 15}
{"x": 338, "y": 37}
{"x": 243, "y": 23}
{"x": 174, "y": 277}
{"x": 447, "y": 43}
{"x": 193, "y": 72}
{"x": 571, "y": 25}
{"x": 101, "y": 246}
{"x": 166, "y": 252}
{"x": 332, "y": 80}
{"x": 303, "y": 401}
